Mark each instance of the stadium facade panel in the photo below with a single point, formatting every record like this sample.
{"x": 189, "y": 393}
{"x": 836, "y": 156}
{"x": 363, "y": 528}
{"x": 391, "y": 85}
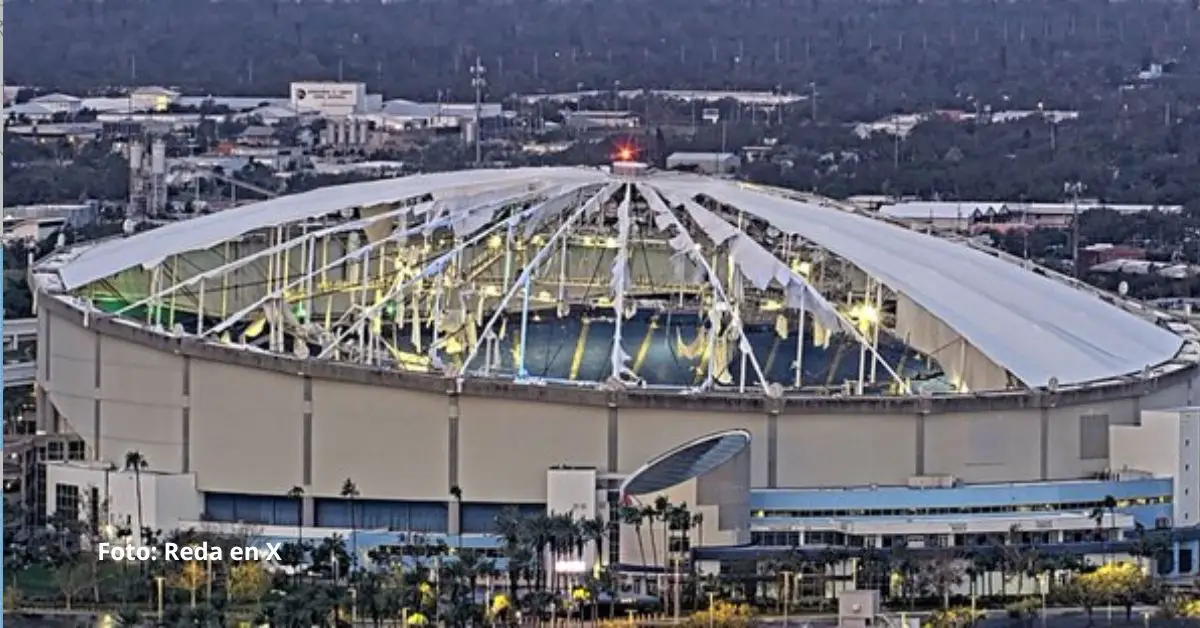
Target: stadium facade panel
{"x": 260, "y": 424}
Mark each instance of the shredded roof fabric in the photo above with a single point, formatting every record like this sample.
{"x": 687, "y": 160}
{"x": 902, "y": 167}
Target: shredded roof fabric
{"x": 200, "y": 233}
{"x": 1034, "y": 327}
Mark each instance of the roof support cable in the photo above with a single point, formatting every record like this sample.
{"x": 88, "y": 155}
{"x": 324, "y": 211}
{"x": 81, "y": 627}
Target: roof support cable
{"x": 721, "y": 300}
{"x": 591, "y": 205}
{"x": 425, "y": 272}
{"x": 224, "y": 269}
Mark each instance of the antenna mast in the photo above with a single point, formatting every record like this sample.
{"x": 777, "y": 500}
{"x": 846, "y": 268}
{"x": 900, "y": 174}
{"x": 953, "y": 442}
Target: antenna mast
{"x": 478, "y": 82}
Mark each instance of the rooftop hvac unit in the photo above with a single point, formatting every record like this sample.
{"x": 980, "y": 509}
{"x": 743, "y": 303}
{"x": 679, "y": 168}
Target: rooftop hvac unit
{"x": 932, "y": 481}
{"x": 629, "y": 169}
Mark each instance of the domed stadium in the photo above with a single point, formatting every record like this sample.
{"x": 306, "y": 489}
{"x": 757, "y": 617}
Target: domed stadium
{"x": 474, "y": 329}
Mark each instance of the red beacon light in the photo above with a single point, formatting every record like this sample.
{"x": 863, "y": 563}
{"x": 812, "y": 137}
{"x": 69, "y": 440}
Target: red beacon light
{"x": 625, "y": 162}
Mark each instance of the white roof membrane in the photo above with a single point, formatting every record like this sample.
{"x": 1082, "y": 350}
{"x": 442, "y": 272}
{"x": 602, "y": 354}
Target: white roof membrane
{"x": 200, "y": 233}
{"x": 1035, "y": 327}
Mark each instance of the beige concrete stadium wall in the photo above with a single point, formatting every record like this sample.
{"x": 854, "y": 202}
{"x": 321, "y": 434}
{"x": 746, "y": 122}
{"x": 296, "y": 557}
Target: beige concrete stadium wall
{"x": 262, "y": 424}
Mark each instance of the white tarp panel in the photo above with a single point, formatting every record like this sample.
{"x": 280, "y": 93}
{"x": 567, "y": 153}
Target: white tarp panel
{"x": 620, "y": 272}
{"x": 715, "y": 227}
{"x": 566, "y": 197}
{"x": 472, "y": 213}
{"x": 151, "y": 247}
{"x": 1035, "y": 327}
{"x": 761, "y": 267}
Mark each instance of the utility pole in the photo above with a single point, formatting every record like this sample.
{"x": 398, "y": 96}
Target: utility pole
{"x": 812, "y": 96}
{"x": 1074, "y": 189}
{"x": 895, "y": 145}
{"x": 676, "y": 593}
{"x": 478, "y": 82}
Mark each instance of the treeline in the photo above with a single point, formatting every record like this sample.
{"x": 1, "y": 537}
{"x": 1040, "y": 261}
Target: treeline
{"x": 864, "y": 57}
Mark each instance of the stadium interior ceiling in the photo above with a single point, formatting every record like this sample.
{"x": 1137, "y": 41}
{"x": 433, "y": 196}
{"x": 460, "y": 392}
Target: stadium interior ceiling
{"x": 577, "y": 279}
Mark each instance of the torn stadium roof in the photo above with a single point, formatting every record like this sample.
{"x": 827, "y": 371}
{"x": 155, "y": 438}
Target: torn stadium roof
{"x": 1034, "y": 327}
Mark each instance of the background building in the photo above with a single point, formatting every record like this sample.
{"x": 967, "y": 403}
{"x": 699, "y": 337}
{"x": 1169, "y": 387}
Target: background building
{"x": 707, "y": 163}
{"x": 332, "y": 98}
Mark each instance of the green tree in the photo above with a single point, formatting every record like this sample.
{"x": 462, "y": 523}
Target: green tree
{"x": 136, "y": 462}
{"x": 297, "y": 493}
{"x": 350, "y": 492}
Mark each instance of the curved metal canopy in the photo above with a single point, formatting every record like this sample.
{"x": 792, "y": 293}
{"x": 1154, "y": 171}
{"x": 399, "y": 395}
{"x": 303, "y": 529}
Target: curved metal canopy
{"x": 688, "y": 461}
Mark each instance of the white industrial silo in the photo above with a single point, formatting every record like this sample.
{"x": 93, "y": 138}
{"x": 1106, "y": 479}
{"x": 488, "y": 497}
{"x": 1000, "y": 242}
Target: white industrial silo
{"x": 469, "y": 130}
{"x": 137, "y": 153}
{"x": 158, "y": 157}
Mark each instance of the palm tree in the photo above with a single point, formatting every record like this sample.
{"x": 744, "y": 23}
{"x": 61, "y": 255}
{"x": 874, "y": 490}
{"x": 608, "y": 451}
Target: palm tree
{"x": 943, "y": 574}
{"x": 350, "y": 492}
{"x": 565, "y": 541}
{"x": 1017, "y": 560}
{"x": 632, "y": 516}
{"x": 1146, "y": 545}
{"x": 473, "y": 566}
{"x": 456, "y": 493}
{"x": 136, "y": 462}
{"x": 679, "y": 520}
{"x": 662, "y": 511}
{"x": 698, "y": 526}
{"x": 538, "y": 533}
{"x": 297, "y": 493}
{"x": 1109, "y": 506}
{"x": 648, "y": 516}
{"x": 594, "y": 530}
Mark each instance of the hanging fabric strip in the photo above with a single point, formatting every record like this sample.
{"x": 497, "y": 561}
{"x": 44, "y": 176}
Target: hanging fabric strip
{"x": 760, "y": 266}
{"x": 563, "y": 199}
{"x": 620, "y": 272}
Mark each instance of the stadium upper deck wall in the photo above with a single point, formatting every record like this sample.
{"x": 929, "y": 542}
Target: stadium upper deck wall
{"x": 248, "y": 422}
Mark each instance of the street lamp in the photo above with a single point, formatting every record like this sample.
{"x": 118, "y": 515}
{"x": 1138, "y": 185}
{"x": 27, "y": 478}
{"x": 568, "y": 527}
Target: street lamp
{"x": 787, "y": 593}
{"x": 158, "y": 581}
{"x": 1043, "y": 584}
{"x": 676, "y": 593}
{"x": 711, "y": 608}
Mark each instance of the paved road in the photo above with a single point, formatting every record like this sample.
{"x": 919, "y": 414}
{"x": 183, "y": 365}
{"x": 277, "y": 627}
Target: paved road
{"x": 1055, "y": 618}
